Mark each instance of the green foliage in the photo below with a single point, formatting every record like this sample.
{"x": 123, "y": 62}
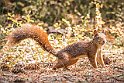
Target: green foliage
{"x": 51, "y": 11}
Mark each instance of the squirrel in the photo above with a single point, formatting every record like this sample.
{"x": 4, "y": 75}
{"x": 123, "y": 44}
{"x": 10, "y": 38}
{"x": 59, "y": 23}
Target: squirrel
{"x": 66, "y": 56}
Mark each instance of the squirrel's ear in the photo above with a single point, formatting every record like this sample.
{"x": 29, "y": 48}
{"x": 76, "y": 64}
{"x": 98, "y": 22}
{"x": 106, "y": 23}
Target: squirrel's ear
{"x": 95, "y": 32}
{"x": 104, "y": 31}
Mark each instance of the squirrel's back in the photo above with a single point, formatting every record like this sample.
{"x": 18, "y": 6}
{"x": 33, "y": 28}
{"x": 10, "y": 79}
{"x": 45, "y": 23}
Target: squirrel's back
{"x": 31, "y": 31}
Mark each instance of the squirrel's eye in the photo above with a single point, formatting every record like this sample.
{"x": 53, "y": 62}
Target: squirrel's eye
{"x": 98, "y": 37}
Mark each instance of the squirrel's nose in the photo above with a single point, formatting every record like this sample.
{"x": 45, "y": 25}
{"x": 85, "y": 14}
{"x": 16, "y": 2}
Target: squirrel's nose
{"x": 103, "y": 42}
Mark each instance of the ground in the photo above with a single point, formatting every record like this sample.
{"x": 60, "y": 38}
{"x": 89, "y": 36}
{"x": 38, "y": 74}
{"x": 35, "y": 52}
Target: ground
{"x": 81, "y": 72}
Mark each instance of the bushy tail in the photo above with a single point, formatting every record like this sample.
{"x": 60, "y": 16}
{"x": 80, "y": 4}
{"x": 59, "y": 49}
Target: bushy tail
{"x": 30, "y": 31}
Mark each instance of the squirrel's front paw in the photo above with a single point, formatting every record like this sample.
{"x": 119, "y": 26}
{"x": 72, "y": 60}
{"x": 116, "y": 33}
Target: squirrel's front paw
{"x": 107, "y": 61}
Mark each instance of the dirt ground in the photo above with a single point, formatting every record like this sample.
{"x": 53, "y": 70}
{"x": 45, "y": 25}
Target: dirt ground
{"x": 81, "y": 72}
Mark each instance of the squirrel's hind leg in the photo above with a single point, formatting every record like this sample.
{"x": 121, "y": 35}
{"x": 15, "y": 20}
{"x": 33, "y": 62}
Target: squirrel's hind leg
{"x": 62, "y": 63}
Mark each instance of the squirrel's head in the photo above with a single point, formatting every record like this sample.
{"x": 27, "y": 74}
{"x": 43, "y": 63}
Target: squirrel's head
{"x": 99, "y": 38}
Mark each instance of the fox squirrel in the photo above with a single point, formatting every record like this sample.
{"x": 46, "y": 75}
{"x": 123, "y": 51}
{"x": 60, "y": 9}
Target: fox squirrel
{"x": 66, "y": 56}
